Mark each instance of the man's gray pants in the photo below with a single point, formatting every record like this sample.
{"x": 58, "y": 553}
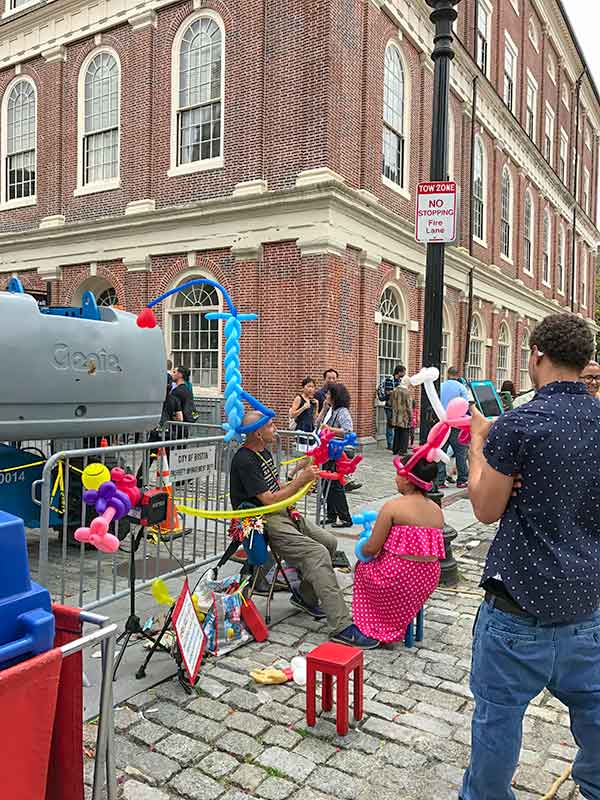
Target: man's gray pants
{"x": 310, "y": 549}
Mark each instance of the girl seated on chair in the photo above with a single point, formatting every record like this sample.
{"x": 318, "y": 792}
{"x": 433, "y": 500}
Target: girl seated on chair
{"x": 407, "y": 544}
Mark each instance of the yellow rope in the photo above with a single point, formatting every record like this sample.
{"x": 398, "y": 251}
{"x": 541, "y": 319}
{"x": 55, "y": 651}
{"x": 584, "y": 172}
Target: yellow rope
{"x": 551, "y": 793}
{"x": 242, "y": 513}
{"x": 292, "y": 461}
{"x": 23, "y": 466}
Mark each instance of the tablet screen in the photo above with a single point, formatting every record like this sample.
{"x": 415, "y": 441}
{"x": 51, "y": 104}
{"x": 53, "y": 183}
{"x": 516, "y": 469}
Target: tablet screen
{"x": 487, "y": 400}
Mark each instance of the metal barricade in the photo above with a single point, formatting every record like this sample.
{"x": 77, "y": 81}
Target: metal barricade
{"x": 77, "y": 574}
{"x": 290, "y": 448}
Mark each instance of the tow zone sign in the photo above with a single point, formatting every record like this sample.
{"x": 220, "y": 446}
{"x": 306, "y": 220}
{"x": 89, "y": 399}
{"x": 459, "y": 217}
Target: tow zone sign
{"x": 436, "y": 212}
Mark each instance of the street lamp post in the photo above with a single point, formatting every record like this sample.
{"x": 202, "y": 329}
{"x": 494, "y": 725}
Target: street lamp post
{"x": 443, "y": 15}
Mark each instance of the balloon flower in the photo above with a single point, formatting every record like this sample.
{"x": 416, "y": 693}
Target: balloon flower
{"x": 366, "y": 519}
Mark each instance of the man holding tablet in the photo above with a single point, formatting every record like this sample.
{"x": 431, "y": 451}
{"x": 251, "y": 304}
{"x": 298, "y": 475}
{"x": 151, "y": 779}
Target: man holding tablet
{"x": 539, "y": 626}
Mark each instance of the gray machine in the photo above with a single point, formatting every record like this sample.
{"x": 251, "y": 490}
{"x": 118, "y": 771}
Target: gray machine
{"x": 70, "y": 372}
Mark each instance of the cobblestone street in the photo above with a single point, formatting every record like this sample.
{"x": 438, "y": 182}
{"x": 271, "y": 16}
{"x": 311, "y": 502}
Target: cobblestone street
{"x": 235, "y": 740}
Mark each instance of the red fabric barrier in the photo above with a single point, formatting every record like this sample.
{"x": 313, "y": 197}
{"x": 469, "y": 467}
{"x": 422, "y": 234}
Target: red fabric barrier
{"x": 28, "y": 696}
{"x": 65, "y": 775}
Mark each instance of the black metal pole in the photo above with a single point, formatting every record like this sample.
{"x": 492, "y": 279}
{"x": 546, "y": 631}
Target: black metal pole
{"x": 575, "y": 170}
{"x": 443, "y": 15}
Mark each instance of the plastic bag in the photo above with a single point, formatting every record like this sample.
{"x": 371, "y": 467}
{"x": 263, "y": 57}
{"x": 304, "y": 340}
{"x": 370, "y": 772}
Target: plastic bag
{"x": 223, "y": 626}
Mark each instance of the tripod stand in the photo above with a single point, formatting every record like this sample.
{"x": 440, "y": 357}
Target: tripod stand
{"x": 133, "y": 625}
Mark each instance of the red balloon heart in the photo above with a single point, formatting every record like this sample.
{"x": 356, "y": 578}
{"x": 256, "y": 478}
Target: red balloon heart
{"x": 146, "y": 318}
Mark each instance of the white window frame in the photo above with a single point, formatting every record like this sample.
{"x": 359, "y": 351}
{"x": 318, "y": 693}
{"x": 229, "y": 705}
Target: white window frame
{"x": 114, "y": 183}
{"x": 510, "y": 48}
{"x": 508, "y": 257}
{"x": 10, "y": 11}
{"x": 488, "y": 10}
{"x": 403, "y": 189}
{"x": 551, "y": 69}
{"x": 533, "y": 85}
{"x": 564, "y": 96}
{"x": 549, "y": 121}
{"x": 533, "y": 35}
{"x": 584, "y": 277}
{"x": 401, "y": 323}
{"x": 585, "y": 199}
{"x": 524, "y": 379}
{"x": 447, "y": 343}
{"x": 531, "y": 239}
{"x": 547, "y": 246}
{"x": 563, "y": 160}
{"x": 179, "y": 280}
{"x": 18, "y": 202}
{"x": 575, "y": 277}
{"x": 507, "y": 351}
{"x": 483, "y": 239}
{"x": 561, "y": 246}
{"x": 476, "y": 373}
{"x": 218, "y": 162}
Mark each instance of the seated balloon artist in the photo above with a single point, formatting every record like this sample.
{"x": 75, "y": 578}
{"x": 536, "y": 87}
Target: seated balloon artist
{"x": 302, "y": 544}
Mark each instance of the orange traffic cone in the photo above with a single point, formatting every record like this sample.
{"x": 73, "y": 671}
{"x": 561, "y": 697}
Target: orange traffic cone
{"x": 172, "y": 523}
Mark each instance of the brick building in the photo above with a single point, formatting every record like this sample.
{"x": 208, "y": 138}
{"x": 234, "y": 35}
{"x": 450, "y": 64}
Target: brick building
{"x": 276, "y": 146}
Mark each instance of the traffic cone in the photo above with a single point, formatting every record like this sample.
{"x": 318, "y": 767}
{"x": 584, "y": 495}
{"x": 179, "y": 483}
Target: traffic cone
{"x": 172, "y": 523}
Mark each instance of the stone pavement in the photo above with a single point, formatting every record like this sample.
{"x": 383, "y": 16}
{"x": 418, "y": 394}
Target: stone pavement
{"x": 235, "y": 740}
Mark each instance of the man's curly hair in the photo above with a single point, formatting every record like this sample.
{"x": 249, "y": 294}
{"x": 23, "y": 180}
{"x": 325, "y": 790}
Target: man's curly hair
{"x": 566, "y": 339}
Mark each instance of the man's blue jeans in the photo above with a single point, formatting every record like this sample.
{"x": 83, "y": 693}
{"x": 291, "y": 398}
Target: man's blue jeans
{"x": 389, "y": 435}
{"x": 514, "y": 659}
{"x": 460, "y": 453}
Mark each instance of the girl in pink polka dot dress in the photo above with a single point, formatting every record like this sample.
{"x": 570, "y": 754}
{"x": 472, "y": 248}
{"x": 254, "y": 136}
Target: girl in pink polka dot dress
{"x": 407, "y": 545}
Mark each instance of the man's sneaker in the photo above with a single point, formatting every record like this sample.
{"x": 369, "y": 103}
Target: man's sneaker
{"x": 353, "y": 637}
{"x": 352, "y": 486}
{"x": 314, "y": 611}
{"x": 442, "y": 486}
{"x": 462, "y": 485}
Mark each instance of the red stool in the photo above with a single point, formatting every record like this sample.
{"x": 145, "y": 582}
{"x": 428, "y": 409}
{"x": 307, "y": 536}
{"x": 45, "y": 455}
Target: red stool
{"x": 334, "y": 661}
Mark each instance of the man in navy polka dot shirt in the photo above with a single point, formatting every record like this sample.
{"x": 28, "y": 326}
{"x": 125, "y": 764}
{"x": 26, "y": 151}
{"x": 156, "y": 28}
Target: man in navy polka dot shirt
{"x": 537, "y": 471}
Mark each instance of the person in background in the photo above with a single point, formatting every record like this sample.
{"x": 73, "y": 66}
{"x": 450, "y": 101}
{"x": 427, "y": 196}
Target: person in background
{"x": 401, "y": 418}
{"x": 539, "y": 625}
{"x": 451, "y": 389}
{"x": 591, "y": 377}
{"x": 406, "y": 544}
{"x": 384, "y": 393}
{"x": 338, "y": 420}
{"x": 181, "y": 377}
{"x": 305, "y": 407}
{"x": 330, "y": 376}
{"x": 507, "y": 395}
{"x": 414, "y": 423}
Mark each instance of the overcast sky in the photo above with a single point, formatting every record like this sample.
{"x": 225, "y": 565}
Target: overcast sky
{"x": 584, "y": 17}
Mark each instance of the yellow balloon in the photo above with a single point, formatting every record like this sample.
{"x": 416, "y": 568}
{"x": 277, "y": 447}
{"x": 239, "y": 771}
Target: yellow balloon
{"x": 242, "y": 513}
{"x": 94, "y": 475}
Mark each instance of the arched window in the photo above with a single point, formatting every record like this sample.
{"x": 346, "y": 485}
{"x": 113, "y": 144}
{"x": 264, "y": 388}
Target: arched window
{"x": 560, "y": 266}
{"x": 108, "y": 297}
{"x": 103, "y": 291}
{"x": 547, "y": 242}
{"x": 476, "y": 350}
{"x": 19, "y": 143}
{"x": 506, "y": 213}
{"x": 99, "y": 121}
{"x": 193, "y": 339}
{"x": 446, "y": 344}
{"x": 503, "y": 355}
{"x": 478, "y": 191}
{"x": 524, "y": 380}
{"x": 393, "y": 117}
{"x": 528, "y": 234}
{"x": 198, "y": 57}
{"x": 392, "y": 332}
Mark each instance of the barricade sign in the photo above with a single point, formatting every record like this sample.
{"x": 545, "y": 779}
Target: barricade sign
{"x": 436, "y": 212}
{"x": 193, "y": 462}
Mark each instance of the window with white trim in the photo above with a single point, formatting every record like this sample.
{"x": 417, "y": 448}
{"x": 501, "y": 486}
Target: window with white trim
{"x": 584, "y": 271}
{"x": 560, "y": 265}
{"x": 392, "y": 332}
{"x": 100, "y": 134}
{"x": 484, "y": 18}
{"x": 19, "y": 130}
{"x": 565, "y": 96}
{"x": 549, "y": 135}
{"x": 575, "y": 276}
{"x": 585, "y": 202}
{"x": 108, "y": 297}
{"x": 393, "y": 117}
{"x": 547, "y": 244}
{"x": 531, "y": 114}
{"x": 193, "y": 339}
{"x": 528, "y": 234}
{"x": 476, "y": 350}
{"x": 532, "y": 32}
{"x": 199, "y": 92}
{"x": 503, "y": 355}
{"x": 551, "y": 68}
{"x": 446, "y": 345}
{"x": 524, "y": 379}
{"x": 564, "y": 155}
{"x": 510, "y": 72}
{"x": 478, "y": 191}
{"x": 506, "y": 203}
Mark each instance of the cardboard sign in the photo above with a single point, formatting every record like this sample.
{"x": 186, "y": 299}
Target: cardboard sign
{"x": 189, "y": 633}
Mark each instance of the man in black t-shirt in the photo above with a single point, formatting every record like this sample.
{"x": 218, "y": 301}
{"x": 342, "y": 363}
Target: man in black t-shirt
{"x": 181, "y": 376}
{"x": 302, "y": 544}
